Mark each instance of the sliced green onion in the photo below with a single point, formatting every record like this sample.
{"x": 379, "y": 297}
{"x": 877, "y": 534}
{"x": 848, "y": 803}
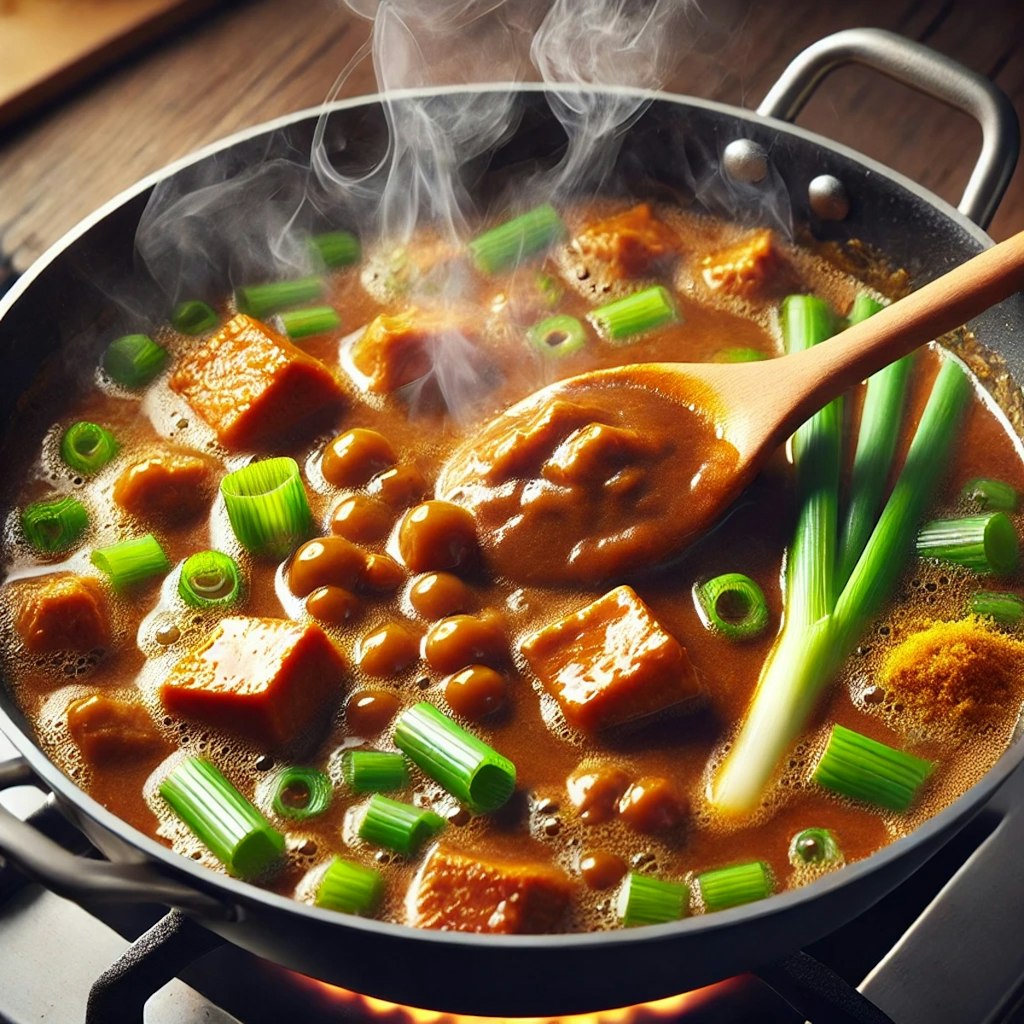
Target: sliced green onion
{"x": 646, "y": 900}
{"x": 1006, "y": 609}
{"x": 991, "y": 495}
{"x": 733, "y": 605}
{"x": 87, "y": 447}
{"x": 131, "y": 561}
{"x": 397, "y": 826}
{"x": 301, "y": 792}
{"x": 236, "y": 833}
{"x": 557, "y": 336}
{"x": 209, "y": 579}
{"x": 636, "y": 313}
{"x": 813, "y": 846}
{"x": 335, "y": 248}
{"x": 516, "y": 240}
{"x": 193, "y": 317}
{"x": 54, "y": 524}
{"x": 722, "y": 888}
{"x": 876, "y": 444}
{"x": 134, "y": 360}
{"x": 740, "y": 355}
{"x": 469, "y": 769}
{"x": 302, "y": 323}
{"x": 262, "y": 300}
{"x": 861, "y": 768}
{"x": 267, "y": 506}
{"x": 350, "y": 888}
{"x": 550, "y": 289}
{"x": 986, "y": 544}
{"x": 373, "y": 771}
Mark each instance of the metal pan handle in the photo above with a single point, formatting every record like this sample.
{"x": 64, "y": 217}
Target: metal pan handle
{"x": 83, "y": 879}
{"x": 929, "y": 72}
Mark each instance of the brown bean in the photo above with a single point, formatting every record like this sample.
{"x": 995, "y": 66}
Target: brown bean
{"x": 651, "y": 805}
{"x": 362, "y": 519}
{"x": 352, "y": 458}
{"x": 382, "y": 574}
{"x": 333, "y": 605}
{"x": 437, "y": 535}
{"x": 387, "y": 650}
{"x": 462, "y": 640}
{"x": 475, "y": 692}
{"x": 595, "y": 792}
{"x": 437, "y": 594}
{"x": 601, "y": 870}
{"x": 326, "y": 561}
{"x": 399, "y": 487}
{"x": 368, "y": 712}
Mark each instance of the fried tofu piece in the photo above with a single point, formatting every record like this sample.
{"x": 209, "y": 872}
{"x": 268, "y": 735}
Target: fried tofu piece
{"x": 628, "y": 244}
{"x": 110, "y": 731}
{"x": 171, "y": 487}
{"x": 252, "y": 385}
{"x": 453, "y": 892}
{"x": 65, "y": 612}
{"x": 745, "y": 268}
{"x": 611, "y": 663}
{"x": 268, "y": 679}
{"x": 597, "y": 452}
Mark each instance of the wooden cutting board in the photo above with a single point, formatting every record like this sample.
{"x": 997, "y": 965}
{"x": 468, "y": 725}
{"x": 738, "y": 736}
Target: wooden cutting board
{"x": 47, "y": 46}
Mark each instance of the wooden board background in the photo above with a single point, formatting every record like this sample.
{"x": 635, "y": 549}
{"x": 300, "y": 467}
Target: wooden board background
{"x": 248, "y": 62}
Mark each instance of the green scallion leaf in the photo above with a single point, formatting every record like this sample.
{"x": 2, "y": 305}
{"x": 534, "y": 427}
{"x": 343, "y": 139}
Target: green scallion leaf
{"x": 303, "y": 323}
{"x": 350, "y": 888}
{"x": 54, "y": 524}
{"x": 209, "y": 579}
{"x": 374, "y": 771}
{"x": 986, "y": 544}
{"x": 134, "y": 360}
{"x": 991, "y": 495}
{"x": 193, "y": 317}
{"x": 267, "y": 507}
{"x": 732, "y": 604}
{"x": 645, "y": 900}
{"x": 1006, "y": 609}
{"x": 642, "y": 311}
{"x": 131, "y": 561}
{"x": 740, "y": 355}
{"x": 470, "y": 770}
{"x": 87, "y": 447}
{"x": 301, "y": 792}
{"x": 815, "y": 846}
{"x": 512, "y": 243}
{"x": 335, "y": 248}
{"x": 397, "y": 826}
{"x": 235, "y": 832}
{"x": 263, "y": 300}
{"x": 861, "y": 768}
{"x": 864, "y": 306}
{"x": 722, "y": 888}
{"x": 557, "y": 336}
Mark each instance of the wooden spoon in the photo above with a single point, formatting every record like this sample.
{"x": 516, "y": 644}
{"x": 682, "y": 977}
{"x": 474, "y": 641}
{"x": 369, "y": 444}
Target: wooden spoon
{"x": 752, "y": 407}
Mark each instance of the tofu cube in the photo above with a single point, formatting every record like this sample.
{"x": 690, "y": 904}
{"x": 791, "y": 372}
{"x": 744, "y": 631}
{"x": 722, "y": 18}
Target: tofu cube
{"x": 628, "y": 244}
{"x": 64, "y": 612}
{"x": 169, "y": 487}
{"x": 270, "y": 680}
{"x": 743, "y": 269}
{"x": 611, "y": 663}
{"x": 110, "y": 731}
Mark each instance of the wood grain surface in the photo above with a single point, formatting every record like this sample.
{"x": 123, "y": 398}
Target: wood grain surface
{"x": 249, "y": 62}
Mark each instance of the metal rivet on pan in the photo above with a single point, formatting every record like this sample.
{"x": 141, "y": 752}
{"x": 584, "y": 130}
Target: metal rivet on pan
{"x": 828, "y": 197}
{"x": 745, "y": 160}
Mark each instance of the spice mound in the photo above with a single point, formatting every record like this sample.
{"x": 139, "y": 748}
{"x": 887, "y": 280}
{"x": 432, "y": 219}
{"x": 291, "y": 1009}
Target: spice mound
{"x": 957, "y": 674}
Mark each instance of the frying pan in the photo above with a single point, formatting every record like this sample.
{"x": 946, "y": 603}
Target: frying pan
{"x": 836, "y": 194}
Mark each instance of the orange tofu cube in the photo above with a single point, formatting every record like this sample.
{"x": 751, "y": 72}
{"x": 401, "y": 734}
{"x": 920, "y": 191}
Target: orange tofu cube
{"x": 611, "y": 663}
{"x": 110, "y": 731}
{"x": 629, "y": 244}
{"x": 467, "y": 894}
{"x": 268, "y": 679}
{"x": 64, "y": 612}
{"x": 253, "y": 386}
{"x": 743, "y": 269}
{"x": 172, "y": 487}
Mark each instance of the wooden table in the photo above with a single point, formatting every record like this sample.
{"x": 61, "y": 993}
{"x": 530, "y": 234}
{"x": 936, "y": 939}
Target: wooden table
{"x": 248, "y": 62}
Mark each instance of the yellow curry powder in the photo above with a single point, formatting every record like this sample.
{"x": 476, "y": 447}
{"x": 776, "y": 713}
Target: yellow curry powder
{"x": 961, "y": 673}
